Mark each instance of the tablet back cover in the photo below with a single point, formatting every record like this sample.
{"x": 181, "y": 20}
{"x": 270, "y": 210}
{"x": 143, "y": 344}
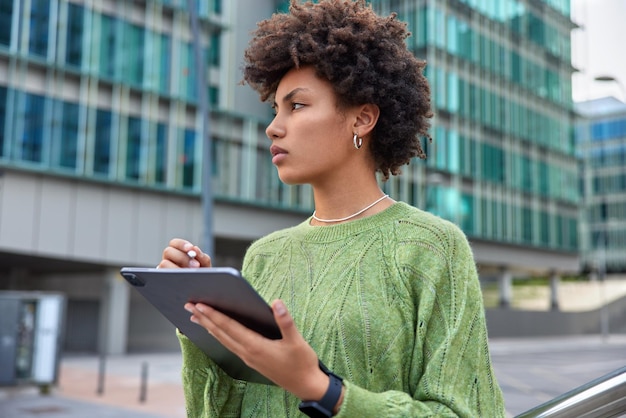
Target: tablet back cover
{"x": 220, "y": 287}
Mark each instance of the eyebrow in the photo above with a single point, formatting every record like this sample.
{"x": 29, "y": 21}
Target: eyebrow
{"x": 292, "y": 93}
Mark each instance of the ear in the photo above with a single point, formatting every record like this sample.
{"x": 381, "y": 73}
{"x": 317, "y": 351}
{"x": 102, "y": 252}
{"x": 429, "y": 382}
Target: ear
{"x": 366, "y": 119}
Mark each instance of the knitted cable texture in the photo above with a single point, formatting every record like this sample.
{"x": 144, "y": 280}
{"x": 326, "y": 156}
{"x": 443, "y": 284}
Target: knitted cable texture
{"x": 390, "y": 302}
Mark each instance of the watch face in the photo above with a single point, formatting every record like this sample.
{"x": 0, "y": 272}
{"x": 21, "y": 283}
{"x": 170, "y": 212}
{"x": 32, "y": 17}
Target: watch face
{"x": 314, "y": 410}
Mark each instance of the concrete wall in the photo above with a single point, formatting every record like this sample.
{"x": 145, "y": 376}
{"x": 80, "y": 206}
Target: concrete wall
{"x": 108, "y": 225}
{"x": 519, "y": 323}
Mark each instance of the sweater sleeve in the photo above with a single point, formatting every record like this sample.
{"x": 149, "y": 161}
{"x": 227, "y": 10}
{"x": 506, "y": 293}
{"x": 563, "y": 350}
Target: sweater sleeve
{"x": 209, "y": 392}
{"x": 450, "y": 363}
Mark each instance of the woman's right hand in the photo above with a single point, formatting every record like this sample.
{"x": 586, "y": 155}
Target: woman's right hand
{"x": 176, "y": 255}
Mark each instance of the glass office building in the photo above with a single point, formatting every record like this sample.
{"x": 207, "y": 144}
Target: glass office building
{"x": 107, "y": 90}
{"x": 601, "y": 137}
{"x": 104, "y": 98}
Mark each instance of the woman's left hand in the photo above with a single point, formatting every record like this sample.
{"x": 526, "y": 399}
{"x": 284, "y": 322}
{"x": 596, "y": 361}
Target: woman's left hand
{"x": 289, "y": 362}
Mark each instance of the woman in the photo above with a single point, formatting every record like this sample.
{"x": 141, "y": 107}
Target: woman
{"x": 384, "y": 294}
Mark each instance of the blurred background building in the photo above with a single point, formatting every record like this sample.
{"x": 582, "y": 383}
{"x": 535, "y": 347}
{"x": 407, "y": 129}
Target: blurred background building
{"x": 101, "y": 145}
{"x": 600, "y": 93}
{"x": 601, "y": 138}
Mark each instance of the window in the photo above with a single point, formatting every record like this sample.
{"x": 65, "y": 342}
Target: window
{"x": 544, "y": 179}
{"x": 188, "y": 162}
{"x": 3, "y": 113}
{"x": 451, "y": 38}
{"x": 133, "y": 149}
{"x": 560, "y": 228}
{"x": 527, "y": 225}
{"x": 102, "y": 146}
{"x": 421, "y": 33}
{"x": 516, "y": 68}
{"x": 187, "y": 84}
{"x": 31, "y": 145}
{"x": 492, "y": 163}
{"x": 161, "y": 154}
{"x": 608, "y": 129}
{"x": 572, "y": 225}
{"x": 6, "y": 17}
{"x": 526, "y": 173}
{"x": 131, "y": 70}
{"x": 439, "y": 29}
{"x": 467, "y": 214}
{"x": 107, "y": 48}
{"x": 453, "y": 92}
{"x": 217, "y": 6}
{"x": 213, "y": 52}
{"x": 544, "y": 231}
{"x": 38, "y": 41}
{"x": 283, "y": 6}
{"x": 214, "y": 96}
{"x": 441, "y": 148}
{"x": 68, "y": 141}
{"x": 165, "y": 54}
{"x": 440, "y": 88}
{"x": 74, "y": 45}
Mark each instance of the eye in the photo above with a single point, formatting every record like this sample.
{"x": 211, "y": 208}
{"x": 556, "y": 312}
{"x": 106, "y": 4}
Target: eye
{"x": 296, "y": 106}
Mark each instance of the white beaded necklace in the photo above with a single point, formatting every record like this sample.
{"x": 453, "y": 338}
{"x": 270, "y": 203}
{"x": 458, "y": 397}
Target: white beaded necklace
{"x": 351, "y": 216}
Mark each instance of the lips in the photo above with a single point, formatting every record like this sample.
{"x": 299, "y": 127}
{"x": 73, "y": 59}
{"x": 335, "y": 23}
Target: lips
{"x": 278, "y": 154}
{"x": 277, "y": 150}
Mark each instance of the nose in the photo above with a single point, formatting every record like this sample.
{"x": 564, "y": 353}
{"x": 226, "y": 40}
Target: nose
{"x": 275, "y": 129}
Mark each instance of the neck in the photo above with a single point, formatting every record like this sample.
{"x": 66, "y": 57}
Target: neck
{"x": 354, "y": 215}
{"x": 345, "y": 207}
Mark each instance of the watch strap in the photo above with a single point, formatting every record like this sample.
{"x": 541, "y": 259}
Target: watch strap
{"x": 324, "y": 407}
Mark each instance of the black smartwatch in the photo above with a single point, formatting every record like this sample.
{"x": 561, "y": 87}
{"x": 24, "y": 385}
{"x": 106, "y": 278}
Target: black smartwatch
{"x": 324, "y": 407}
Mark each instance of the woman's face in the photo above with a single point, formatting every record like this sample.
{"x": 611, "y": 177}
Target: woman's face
{"x": 311, "y": 138}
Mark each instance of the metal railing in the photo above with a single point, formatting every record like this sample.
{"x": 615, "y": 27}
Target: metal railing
{"x": 604, "y": 397}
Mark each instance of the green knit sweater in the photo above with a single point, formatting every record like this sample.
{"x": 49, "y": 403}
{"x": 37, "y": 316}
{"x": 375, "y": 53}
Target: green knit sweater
{"x": 390, "y": 302}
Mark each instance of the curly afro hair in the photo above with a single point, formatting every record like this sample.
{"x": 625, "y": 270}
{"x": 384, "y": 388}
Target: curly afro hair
{"x": 365, "y": 59}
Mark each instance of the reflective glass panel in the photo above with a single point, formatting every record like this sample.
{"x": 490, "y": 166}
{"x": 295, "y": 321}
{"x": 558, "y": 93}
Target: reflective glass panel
{"x": 102, "y": 146}
{"x": 38, "y": 39}
{"x": 6, "y": 17}
{"x": 31, "y": 143}
{"x": 74, "y": 46}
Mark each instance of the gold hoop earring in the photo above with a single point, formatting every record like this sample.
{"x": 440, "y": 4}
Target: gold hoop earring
{"x": 358, "y": 142}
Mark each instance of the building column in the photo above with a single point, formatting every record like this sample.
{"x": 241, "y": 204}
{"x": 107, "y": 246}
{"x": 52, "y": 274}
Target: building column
{"x": 505, "y": 286}
{"x": 113, "y": 334}
{"x": 555, "y": 279}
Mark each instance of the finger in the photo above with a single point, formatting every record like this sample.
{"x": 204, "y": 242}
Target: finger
{"x": 204, "y": 260}
{"x": 179, "y": 257}
{"x": 167, "y": 264}
{"x": 181, "y": 244}
{"x": 284, "y": 320}
{"x": 225, "y": 329}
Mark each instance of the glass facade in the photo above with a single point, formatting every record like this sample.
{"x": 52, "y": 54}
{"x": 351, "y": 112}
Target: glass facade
{"x": 104, "y": 92}
{"x": 503, "y": 153}
{"x": 601, "y": 138}
{"x": 110, "y": 93}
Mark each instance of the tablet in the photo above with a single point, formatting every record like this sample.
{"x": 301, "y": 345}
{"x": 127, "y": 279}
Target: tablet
{"x": 224, "y": 289}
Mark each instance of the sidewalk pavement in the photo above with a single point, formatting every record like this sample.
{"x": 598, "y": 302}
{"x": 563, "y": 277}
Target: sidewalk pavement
{"x": 522, "y": 367}
{"x": 121, "y": 394}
